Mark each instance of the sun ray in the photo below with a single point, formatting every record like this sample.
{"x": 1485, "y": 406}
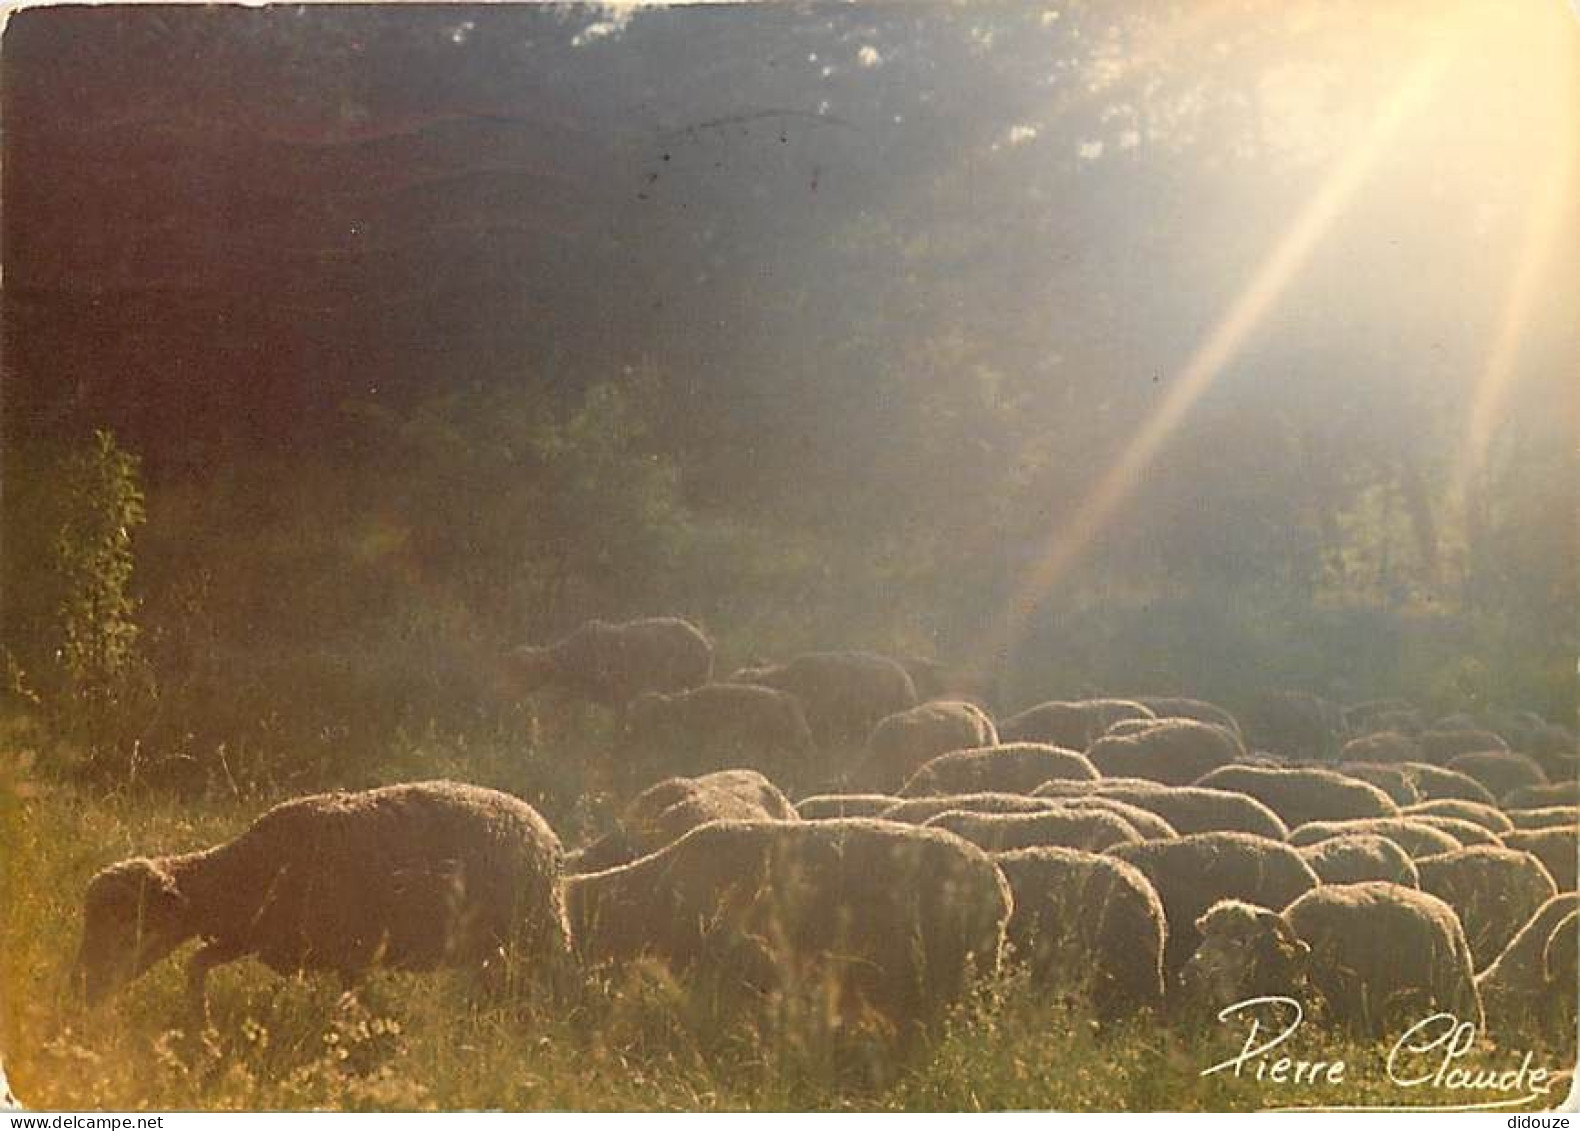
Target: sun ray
{"x": 1215, "y": 352}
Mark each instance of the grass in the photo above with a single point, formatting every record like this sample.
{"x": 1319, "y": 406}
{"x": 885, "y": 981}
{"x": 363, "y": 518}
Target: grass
{"x": 642, "y": 1041}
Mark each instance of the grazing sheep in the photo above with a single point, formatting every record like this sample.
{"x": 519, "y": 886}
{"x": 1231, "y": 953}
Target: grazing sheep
{"x": 1549, "y": 817}
{"x": 1087, "y": 923}
{"x": 1565, "y": 793}
{"x": 1530, "y": 986}
{"x": 1189, "y": 809}
{"x": 409, "y": 876}
{"x": 1381, "y": 956}
{"x": 667, "y": 811}
{"x": 935, "y": 680}
{"x": 1395, "y": 781}
{"x": 897, "y": 918}
{"x": 1361, "y": 718}
{"x": 611, "y": 664}
{"x": 1434, "y": 783}
{"x": 1468, "y": 833}
{"x": 901, "y": 743}
{"x": 1501, "y": 771}
{"x": 1354, "y": 858}
{"x": 1486, "y": 816}
{"x": 844, "y": 694}
{"x": 1173, "y": 751}
{"x": 719, "y": 725}
{"x": 1294, "y": 724}
{"x": 1015, "y": 767}
{"x": 1302, "y": 795}
{"x": 1439, "y": 746}
{"x": 1382, "y": 747}
{"x": 1493, "y": 891}
{"x": 1072, "y": 724}
{"x": 919, "y": 810}
{"x": 1179, "y": 707}
{"x": 1088, "y": 830}
{"x": 1191, "y": 873}
{"x": 1415, "y": 837}
{"x": 828, "y": 805}
{"x": 1557, "y": 847}
{"x": 1147, "y": 823}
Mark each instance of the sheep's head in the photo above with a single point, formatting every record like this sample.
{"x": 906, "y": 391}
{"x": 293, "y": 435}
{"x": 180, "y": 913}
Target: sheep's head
{"x": 1245, "y": 952}
{"x": 133, "y": 915}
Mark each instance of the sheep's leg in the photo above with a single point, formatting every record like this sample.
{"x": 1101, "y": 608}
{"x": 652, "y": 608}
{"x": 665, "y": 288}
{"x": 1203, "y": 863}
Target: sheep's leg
{"x": 208, "y": 956}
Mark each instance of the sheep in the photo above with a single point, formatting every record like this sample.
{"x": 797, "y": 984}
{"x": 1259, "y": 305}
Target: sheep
{"x": 1193, "y": 872}
{"x": 1493, "y": 890}
{"x": 1089, "y": 830}
{"x": 1548, "y": 817}
{"x": 1438, "y": 746}
{"x": 826, "y": 805}
{"x": 719, "y": 725}
{"x": 1188, "y": 809}
{"x": 1557, "y": 847}
{"x": 844, "y": 694}
{"x": 408, "y": 876}
{"x": 935, "y": 680}
{"x": 1529, "y": 985}
{"x": 1360, "y": 718}
{"x": 1381, "y": 747}
{"x": 1501, "y": 771}
{"x": 1071, "y": 724}
{"x": 1395, "y": 781}
{"x": 1083, "y": 922}
{"x": 896, "y": 918}
{"x": 918, "y": 810}
{"x": 901, "y": 743}
{"x": 1180, "y": 707}
{"x": 1302, "y": 795}
{"x": 1147, "y": 824}
{"x": 1434, "y": 783}
{"x": 1293, "y": 724}
{"x": 1174, "y": 752}
{"x": 611, "y": 664}
{"x": 668, "y": 810}
{"x": 1467, "y": 833}
{"x": 1381, "y": 956}
{"x": 1415, "y": 837}
{"x": 1015, "y": 767}
{"x": 1486, "y": 816}
{"x": 1566, "y": 793}
{"x": 1353, "y": 858}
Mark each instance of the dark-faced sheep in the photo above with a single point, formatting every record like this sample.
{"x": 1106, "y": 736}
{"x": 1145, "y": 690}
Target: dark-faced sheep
{"x": 1395, "y": 781}
{"x": 1383, "y": 747}
{"x": 1501, "y": 771}
{"x": 611, "y": 664}
{"x": 1087, "y": 924}
{"x": 901, "y": 743}
{"x": 825, "y": 806}
{"x": 1440, "y": 746}
{"x": 1089, "y": 830}
{"x": 1493, "y": 891}
{"x": 1302, "y": 795}
{"x": 1558, "y": 849}
{"x": 668, "y": 810}
{"x": 895, "y": 918}
{"x": 408, "y": 876}
{"x": 1550, "y": 817}
{"x": 1015, "y": 767}
{"x": 1355, "y": 858}
{"x": 1415, "y": 837}
{"x": 1191, "y": 873}
{"x": 1543, "y": 796}
{"x": 1188, "y": 809}
{"x": 1525, "y": 989}
{"x": 1174, "y": 752}
{"x": 1180, "y": 707}
{"x": 1381, "y": 956}
{"x": 1073, "y": 724}
{"x": 721, "y": 725}
{"x": 1488, "y": 817}
{"x": 844, "y": 694}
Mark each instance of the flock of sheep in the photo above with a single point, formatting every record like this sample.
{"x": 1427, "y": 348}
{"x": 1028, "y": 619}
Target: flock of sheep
{"x": 1145, "y": 854}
